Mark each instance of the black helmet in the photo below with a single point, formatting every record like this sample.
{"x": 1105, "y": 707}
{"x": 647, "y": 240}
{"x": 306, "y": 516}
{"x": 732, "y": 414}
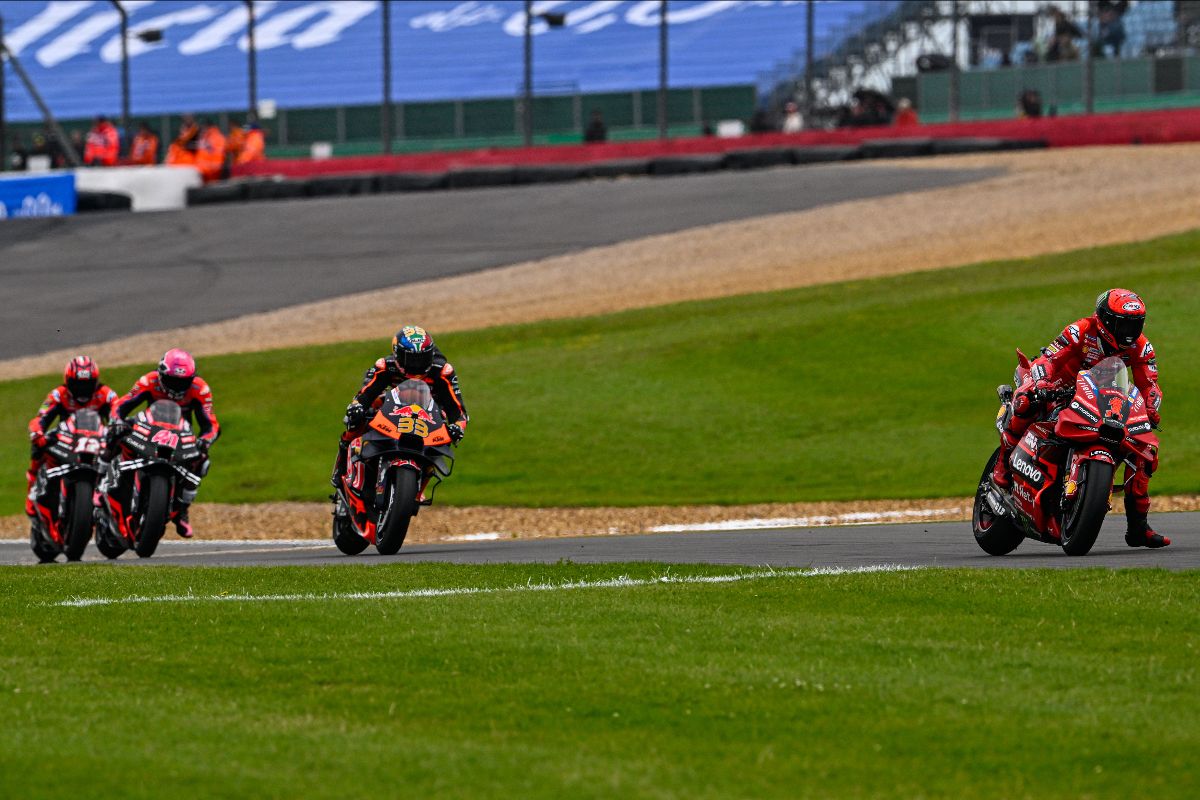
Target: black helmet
{"x": 413, "y": 348}
{"x": 1122, "y": 315}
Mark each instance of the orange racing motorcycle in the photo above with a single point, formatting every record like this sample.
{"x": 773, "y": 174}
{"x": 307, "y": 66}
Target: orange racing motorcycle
{"x": 392, "y": 470}
{"x": 1064, "y": 466}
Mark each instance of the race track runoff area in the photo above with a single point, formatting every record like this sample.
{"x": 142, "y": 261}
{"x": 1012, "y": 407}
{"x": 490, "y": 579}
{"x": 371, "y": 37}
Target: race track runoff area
{"x": 612, "y": 680}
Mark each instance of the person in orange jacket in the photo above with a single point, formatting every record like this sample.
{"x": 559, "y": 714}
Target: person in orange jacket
{"x": 234, "y": 140}
{"x": 210, "y": 154}
{"x": 183, "y": 150}
{"x": 254, "y": 143}
{"x": 144, "y": 150}
{"x": 103, "y": 145}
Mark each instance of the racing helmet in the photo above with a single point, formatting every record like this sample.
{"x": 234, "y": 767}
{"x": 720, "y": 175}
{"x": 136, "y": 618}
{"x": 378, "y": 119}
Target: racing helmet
{"x": 82, "y": 378}
{"x": 1122, "y": 315}
{"x": 413, "y": 348}
{"x": 176, "y": 372}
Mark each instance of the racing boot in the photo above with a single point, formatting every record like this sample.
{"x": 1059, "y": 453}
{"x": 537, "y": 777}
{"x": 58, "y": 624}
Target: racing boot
{"x": 182, "y": 526}
{"x": 1000, "y": 474}
{"x": 339, "y": 464}
{"x": 31, "y": 477}
{"x": 1139, "y": 532}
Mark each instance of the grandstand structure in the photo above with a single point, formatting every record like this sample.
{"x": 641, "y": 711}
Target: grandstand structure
{"x": 456, "y": 78}
{"x": 971, "y": 58}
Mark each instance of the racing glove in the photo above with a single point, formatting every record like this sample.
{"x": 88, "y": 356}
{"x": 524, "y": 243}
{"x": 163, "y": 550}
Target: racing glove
{"x": 1153, "y": 404}
{"x": 117, "y": 428}
{"x": 456, "y": 432}
{"x": 39, "y": 439}
{"x": 355, "y": 417}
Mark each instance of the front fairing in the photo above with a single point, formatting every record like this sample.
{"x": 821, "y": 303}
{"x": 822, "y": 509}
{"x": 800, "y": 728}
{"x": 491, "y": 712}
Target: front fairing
{"x": 409, "y": 424}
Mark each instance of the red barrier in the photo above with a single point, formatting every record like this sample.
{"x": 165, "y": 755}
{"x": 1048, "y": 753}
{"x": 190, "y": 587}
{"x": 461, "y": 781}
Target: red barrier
{"x": 1149, "y": 127}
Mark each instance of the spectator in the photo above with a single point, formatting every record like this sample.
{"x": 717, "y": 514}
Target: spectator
{"x": 234, "y": 141}
{"x": 596, "y": 131}
{"x": 761, "y": 122}
{"x": 1029, "y": 104}
{"x": 254, "y": 143}
{"x": 183, "y": 150}
{"x": 869, "y": 108}
{"x": 18, "y": 156}
{"x": 1062, "y": 45}
{"x": 103, "y": 145}
{"x": 210, "y": 154}
{"x": 792, "y": 121}
{"x": 905, "y": 114}
{"x": 144, "y": 150}
{"x": 1112, "y": 28}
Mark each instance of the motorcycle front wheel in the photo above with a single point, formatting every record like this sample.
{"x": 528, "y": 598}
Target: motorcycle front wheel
{"x": 1082, "y": 523}
{"x": 996, "y": 536}
{"x": 78, "y": 519}
{"x": 154, "y": 520}
{"x": 399, "y": 511}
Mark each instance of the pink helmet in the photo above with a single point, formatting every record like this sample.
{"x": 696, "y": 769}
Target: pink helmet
{"x": 176, "y": 372}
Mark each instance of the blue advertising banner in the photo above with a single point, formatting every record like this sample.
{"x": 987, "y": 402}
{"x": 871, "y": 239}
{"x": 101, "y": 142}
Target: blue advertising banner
{"x": 49, "y": 195}
{"x": 191, "y": 55}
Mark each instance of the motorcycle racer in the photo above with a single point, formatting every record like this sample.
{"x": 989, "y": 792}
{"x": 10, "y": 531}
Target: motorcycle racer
{"x": 175, "y": 379}
{"x": 414, "y": 357}
{"x": 1115, "y": 329}
{"x": 81, "y": 388}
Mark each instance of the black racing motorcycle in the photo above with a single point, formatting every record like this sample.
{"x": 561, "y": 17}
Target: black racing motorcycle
{"x": 64, "y": 489}
{"x": 151, "y": 466}
{"x": 392, "y": 470}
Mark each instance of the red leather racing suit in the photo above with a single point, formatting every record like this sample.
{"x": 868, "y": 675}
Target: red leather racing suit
{"x": 1079, "y": 347}
{"x": 57, "y": 406}
{"x": 197, "y": 405}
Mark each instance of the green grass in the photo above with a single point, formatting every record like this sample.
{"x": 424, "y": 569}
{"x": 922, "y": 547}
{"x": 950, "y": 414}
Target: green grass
{"x": 873, "y": 389}
{"x": 940, "y": 683}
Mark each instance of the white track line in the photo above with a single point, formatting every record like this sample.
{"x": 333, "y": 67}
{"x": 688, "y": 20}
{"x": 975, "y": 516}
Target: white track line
{"x": 622, "y": 582}
{"x": 852, "y": 518}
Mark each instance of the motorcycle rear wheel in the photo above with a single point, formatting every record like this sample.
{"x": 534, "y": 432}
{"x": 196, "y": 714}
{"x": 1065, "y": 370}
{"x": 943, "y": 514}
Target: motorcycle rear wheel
{"x": 345, "y": 537}
{"x": 996, "y": 536}
{"x": 79, "y": 520}
{"x": 1082, "y": 526}
{"x": 154, "y": 520}
{"x": 399, "y": 511}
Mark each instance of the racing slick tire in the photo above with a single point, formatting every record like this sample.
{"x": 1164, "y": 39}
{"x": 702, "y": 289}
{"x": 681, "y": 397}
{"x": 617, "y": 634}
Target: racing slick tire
{"x": 154, "y": 520}
{"x": 399, "y": 511}
{"x": 996, "y": 536}
{"x": 79, "y": 520}
{"x": 345, "y": 538}
{"x": 46, "y": 553}
{"x": 1082, "y": 524}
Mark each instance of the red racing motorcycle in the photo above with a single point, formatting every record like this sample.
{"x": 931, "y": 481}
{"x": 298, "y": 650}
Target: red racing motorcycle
{"x": 64, "y": 488}
{"x": 1063, "y": 468}
{"x": 391, "y": 471}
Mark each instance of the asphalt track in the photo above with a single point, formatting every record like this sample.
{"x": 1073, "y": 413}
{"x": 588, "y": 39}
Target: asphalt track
{"x": 945, "y": 544}
{"x": 67, "y": 281}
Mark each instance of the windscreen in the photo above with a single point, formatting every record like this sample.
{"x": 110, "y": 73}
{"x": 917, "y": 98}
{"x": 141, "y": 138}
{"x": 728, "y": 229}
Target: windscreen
{"x": 413, "y": 393}
{"x": 1110, "y": 373}
{"x": 166, "y": 411}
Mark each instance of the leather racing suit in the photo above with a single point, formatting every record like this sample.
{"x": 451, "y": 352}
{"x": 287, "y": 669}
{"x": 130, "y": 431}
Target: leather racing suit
{"x": 1080, "y": 347}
